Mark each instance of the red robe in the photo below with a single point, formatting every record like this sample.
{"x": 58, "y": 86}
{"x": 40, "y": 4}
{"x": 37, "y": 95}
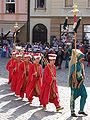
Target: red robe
{"x": 34, "y": 84}
{"x": 10, "y": 67}
{"x": 15, "y": 75}
{"x": 81, "y": 49}
{"x": 21, "y": 86}
{"x": 49, "y": 92}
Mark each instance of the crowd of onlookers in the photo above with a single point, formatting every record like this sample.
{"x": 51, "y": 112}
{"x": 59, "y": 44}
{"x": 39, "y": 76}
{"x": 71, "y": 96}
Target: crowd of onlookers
{"x": 62, "y": 49}
{"x": 5, "y": 51}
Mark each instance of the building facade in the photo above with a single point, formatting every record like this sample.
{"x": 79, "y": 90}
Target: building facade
{"x": 47, "y": 18}
{"x": 12, "y": 12}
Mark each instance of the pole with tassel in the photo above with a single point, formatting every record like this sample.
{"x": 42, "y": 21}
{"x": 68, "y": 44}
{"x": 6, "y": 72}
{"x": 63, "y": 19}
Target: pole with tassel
{"x": 76, "y": 25}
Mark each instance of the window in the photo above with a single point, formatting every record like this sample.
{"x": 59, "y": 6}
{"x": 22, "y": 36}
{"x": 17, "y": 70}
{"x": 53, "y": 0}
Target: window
{"x": 68, "y": 35}
{"x": 10, "y": 6}
{"x": 68, "y": 3}
{"x": 40, "y": 4}
{"x": 88, "y": 3}
{"x": 86, "y": 33}
{"x": 10, "y": 1}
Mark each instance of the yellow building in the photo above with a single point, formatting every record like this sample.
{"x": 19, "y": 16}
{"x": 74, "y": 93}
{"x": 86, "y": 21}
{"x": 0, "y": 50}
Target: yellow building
{"x": 47, "y": 18}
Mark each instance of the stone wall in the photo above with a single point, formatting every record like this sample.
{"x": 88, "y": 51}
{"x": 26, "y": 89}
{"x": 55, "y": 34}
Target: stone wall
{"x": 56, "y": 22}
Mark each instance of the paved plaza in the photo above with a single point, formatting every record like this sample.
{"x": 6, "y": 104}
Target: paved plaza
{"x": 13, "y": 108}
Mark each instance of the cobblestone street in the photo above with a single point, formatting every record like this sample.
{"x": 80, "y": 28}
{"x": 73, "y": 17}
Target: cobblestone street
{"x": 13, "y": 108}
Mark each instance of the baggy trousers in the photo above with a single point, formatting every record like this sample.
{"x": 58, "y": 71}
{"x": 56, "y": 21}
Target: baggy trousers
{"x": 75, "y": 93}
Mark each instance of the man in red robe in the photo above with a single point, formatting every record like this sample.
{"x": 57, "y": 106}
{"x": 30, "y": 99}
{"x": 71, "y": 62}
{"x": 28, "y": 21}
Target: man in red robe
{"x": 10, "y": 66}
{"x": 49, "y": 92}
{"x": 23, "y": 71}
{"x": 15, "y": 74}
{"x": 35, "y": 79}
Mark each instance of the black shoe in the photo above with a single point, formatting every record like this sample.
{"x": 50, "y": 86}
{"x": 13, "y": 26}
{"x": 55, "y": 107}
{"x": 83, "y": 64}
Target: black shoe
{"x": 59, "y": 108}
{"x": 73, "y": 115}
{"x": 83, "y": 113}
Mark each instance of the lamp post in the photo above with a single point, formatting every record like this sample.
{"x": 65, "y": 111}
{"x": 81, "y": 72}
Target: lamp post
{"x": 15, "y": 35}
{"x": 28, "y": 21}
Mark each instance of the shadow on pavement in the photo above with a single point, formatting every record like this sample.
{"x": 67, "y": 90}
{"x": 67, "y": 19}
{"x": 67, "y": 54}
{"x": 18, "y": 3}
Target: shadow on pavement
{"x": 12, "y": 104}
{"x": 40, "y": 114}
{"x": 7, "y": 98}
{"x": 75, "y": 118}
{"x": 4, "y": 89}
{"x": 6, "y": 92}
{"x": 22, "y": 110}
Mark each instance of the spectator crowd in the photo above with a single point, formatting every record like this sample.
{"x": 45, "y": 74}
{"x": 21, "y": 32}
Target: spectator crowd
{"x": 62, "y": 49}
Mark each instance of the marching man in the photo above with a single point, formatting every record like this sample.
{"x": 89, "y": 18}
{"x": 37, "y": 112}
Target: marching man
{"x": 34, "y": 83}
{"x": 10, "y": 66}
{"x": 76, "y": 82}
{"x": 49, "y": 92}
{"x": 24, "y": 72}
{"x": 15, "y": 73}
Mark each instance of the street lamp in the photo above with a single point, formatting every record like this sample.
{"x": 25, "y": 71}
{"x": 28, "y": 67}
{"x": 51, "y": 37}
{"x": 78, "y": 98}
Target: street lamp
{"x": 15, "y": 35}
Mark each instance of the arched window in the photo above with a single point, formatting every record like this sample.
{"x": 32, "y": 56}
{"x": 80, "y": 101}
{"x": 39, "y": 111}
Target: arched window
{"x": 39, "y": 33}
